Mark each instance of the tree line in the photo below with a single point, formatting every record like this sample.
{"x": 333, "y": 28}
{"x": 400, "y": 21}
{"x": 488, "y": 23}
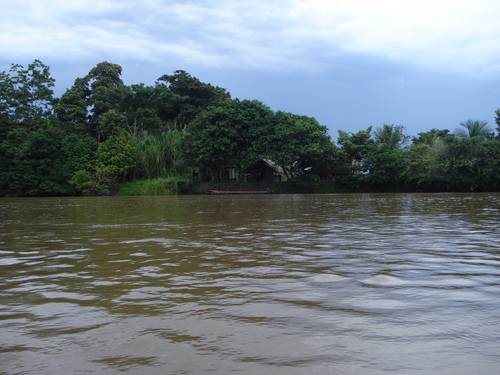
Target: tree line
{"x": 101, "y": 133}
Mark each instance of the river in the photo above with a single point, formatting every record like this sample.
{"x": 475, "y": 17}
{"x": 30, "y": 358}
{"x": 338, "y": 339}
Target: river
{"x": 278, "y": 284}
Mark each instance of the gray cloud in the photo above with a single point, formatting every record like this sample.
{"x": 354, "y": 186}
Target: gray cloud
{"x": 457, "y": 35}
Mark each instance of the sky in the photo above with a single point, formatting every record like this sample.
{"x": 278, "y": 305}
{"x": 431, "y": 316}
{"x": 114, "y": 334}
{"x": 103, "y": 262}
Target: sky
{"x": 349, "y": 63}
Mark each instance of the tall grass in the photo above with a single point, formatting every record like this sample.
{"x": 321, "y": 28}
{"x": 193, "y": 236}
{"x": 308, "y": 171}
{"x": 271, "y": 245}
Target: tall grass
{"x": 160, "y": 155}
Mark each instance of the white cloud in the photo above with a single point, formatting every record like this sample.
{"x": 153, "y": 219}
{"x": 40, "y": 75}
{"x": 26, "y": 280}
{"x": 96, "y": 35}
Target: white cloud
{"x": 457, "y": 35}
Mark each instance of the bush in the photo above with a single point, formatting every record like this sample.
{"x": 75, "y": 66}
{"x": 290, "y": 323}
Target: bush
{"x": 83, "y": 182}
{"x": 116, "y": 158}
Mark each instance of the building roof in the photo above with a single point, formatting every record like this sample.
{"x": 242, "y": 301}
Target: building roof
{"x": 273, "y": 165}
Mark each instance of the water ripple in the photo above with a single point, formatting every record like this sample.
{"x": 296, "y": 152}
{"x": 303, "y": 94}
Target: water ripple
{"x": 293, "y": 284}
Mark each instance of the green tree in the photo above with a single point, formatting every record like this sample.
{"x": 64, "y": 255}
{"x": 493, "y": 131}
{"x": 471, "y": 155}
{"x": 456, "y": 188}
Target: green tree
{"x": 190, "y": 96}
{"x": 26, "y": 93}
{"x": 79, "y": 152}
{"x": 225, "y": 136}
{"x": 386, "y": 167}
{"x": 110, "y": 122}
{"x": 299, "y": 145}
{"x": 470, "y": 164}
{"x": 354, "y": 149}
{"x": 454, "y": 163}
{"x": 148, "y": 108}
{"x": 31, "y": 162}
{"x": 391, "y": 136}
{"x": 474, "y": 129}
{"x": 72, "y": 108}
{"x": 430, "y": 137}
{"x": 386, "y": 159}
{"x": 83, "y": 182}
{"x": 425, "y": 170}
{"x": 85, "y": 105}
{"x": 116, "y": 159}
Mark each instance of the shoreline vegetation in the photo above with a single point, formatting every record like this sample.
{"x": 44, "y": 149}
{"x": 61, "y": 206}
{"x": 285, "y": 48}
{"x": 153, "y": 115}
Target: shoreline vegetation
{"x": 183, "y": 136}
{"x": 157, "y": 186}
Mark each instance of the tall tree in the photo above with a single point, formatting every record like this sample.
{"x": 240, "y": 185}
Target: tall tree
{"x": 430, "y": 137}
{"x": 191, "y": 95}
{"x": 386, "y": 159}
{"x": 474, "y": 129}
{"x": 354, "y": 150}
{"x": 224, "y": 136}
{"x": 299, "y": 145}
{"x": 72, "y": 107}
{"x": 391, "y": 136}
{"x": 92, "y": 97}
{"x": 26, "y": 93}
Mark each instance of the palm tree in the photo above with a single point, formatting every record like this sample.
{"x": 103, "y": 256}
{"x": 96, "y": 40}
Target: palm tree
{"x": 474, "y": 129}
{"x": 392, "y": 136}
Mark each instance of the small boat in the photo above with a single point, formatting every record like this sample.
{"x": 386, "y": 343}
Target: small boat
{"x": 239, "y": 192}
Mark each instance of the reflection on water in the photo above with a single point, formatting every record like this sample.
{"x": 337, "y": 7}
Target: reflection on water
{"x": 302, "y": 284}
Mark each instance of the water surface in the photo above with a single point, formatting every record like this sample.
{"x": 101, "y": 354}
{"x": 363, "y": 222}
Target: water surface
{"x": 280, "y": 284}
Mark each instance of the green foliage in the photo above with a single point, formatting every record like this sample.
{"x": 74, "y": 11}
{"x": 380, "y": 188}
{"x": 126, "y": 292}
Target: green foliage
{"x": 31, "y": 162}
{"x": 299, "y": 144}
{"x": 86, "y": 104}
{"x": 110, "y": 123}
{"x": 391, "y": 136}
{"x": 424, "y": 170}
{"x": 104, "y": 74}
{"x": 83, "y": 182}
{"x": 26, "y": 93}
{"x": 354, "y": 151}
{"x": 385, "y": 159}
{"x": 430, "y": 137}
{"x": 116, "y": 159}
{"x": 71, "y": 108}
{"x": 160, "y": 155}
{"x": 471, "y": 164}
{"x": 227, "y": 135}
{"x": 158, "y": 186}
{"x": 148, "y": 108}
{"x": 474, "y": 129}
{"x": 386, "y": 167}
{"x": 79, "y": 153}
{"x": 190, "y": 95}
{"x": 102, "y": 133}
{"x": 455, "y": 164}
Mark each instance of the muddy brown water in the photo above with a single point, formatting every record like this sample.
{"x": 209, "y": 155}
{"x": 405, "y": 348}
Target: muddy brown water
{"x": 279, "y": 284}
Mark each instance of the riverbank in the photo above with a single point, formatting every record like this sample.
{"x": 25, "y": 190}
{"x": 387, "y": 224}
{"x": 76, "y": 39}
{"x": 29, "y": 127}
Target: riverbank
{"x": 158, "y": 186}
{"x": 183, "y": 185}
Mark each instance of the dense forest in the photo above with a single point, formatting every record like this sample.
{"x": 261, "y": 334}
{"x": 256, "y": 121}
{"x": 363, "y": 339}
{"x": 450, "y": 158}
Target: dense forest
{"x": 101, "y": 134}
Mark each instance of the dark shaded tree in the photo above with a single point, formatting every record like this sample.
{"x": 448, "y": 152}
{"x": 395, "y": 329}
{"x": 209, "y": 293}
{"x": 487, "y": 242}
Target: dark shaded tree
{"x": 225, "y": 136}
{"x": 191, "y": 96}
{"x": 299, "y": 145}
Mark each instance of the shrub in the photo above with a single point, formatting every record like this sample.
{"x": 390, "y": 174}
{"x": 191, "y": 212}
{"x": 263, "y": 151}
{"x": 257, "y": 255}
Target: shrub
{"x": 83, "y": 182}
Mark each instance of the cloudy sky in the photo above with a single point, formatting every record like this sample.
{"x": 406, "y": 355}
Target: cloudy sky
{"x": 349, "y": 63}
